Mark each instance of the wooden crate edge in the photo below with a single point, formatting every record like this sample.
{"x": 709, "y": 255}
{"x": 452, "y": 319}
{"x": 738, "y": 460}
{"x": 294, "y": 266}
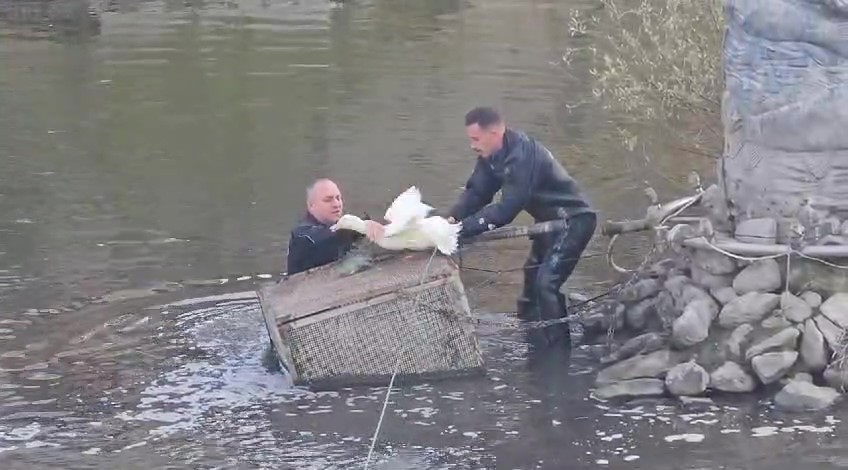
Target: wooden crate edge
{"x": 269, "y": 314}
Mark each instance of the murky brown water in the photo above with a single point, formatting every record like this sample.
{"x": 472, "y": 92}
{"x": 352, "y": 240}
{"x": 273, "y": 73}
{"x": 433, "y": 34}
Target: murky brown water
{"x": 144, "y": 165}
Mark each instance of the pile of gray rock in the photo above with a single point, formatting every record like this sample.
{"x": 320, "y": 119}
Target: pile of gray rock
{"x": 705, "y": 322}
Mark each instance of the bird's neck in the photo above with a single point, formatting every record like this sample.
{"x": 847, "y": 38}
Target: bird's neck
{"x": 358, "y": 225}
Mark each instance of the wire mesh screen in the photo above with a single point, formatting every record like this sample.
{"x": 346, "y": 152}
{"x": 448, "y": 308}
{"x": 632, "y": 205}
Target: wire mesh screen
{"x": 335, "y": 329}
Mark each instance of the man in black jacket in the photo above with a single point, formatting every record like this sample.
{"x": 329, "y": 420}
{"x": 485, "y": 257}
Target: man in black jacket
{"x": 531, "y": 179}
{"x": 312, "y": 243}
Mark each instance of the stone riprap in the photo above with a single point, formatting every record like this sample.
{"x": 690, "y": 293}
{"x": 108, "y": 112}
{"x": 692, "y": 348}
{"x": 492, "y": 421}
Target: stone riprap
{"x": 682, "y": 336}
{"x": 740, "y": 324}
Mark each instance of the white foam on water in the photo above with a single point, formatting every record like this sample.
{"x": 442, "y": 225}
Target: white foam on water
{"x": 425, "y": 412}
{"x": 704, "y": 421}
{"x": 637, "y": 410}
{"x": 231, "y": 302}
{"x": 39, "y": 444}
{"x": 195, "y": 388}
{"x": 630, "y": 458}
{"x": 132, "y": 446}
{"x": 211, "y": 298}
{"x": 134, "y": 326}
{"x": 351, "y": 401}
{"x": 764, "y": 431}
{"x": 43, "y": 376}
{"x": 236, "y": 379}
{"x": 92, "y": 451}
{"x": 24, "y": 433}
{"x": 451, "y": 397}
{"x": 685, "y": 438}
{"x": 690, "y": 417}
{"x": 602, "y": 462}
{"x": 815, "y": 429}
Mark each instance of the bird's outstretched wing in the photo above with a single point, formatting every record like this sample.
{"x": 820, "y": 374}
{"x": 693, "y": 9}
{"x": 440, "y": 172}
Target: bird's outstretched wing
{"x": 406, "y": 208}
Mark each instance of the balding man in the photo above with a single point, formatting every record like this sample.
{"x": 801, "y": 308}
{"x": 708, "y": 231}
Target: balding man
{"x": 312, "y": 243}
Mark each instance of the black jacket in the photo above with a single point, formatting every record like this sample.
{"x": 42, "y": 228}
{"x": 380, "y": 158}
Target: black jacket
{"x": 313, "y": 244}
{"x": 530, "y": 179}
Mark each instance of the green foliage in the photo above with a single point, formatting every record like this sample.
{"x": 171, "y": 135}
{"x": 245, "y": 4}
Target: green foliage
{"x": 657, "y": 65}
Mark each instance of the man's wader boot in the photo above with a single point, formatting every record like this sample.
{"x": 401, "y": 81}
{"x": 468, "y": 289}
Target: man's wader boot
{"x": 552, "y": 259}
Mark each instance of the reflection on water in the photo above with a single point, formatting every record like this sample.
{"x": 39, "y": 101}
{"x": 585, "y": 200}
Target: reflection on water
{"x": 149, "y": 176}
{"x": 176, "y": 144}
{"x": 209, "y": 401}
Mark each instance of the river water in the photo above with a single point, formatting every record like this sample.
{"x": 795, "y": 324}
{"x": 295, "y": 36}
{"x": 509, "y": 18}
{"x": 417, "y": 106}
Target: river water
{"x": 150, "y": 175}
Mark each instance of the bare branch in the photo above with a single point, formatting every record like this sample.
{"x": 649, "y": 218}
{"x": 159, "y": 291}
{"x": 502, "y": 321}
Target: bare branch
{"x": 657, "y": 61}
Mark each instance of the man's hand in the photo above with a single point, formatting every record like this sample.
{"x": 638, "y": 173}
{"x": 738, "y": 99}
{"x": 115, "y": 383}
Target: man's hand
{"x": 451, "y": 220}
{"x": 374, "y": 230}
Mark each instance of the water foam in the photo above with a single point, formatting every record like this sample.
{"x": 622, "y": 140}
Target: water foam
{"x": 234, "y": 379}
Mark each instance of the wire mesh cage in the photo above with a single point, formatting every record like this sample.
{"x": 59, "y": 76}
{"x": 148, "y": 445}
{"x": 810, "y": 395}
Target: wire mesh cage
{"x": 406, "y": 314}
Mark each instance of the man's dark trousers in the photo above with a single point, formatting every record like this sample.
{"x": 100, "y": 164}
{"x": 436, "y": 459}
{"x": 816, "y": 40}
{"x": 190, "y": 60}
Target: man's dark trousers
{"x": 552, "y": 259}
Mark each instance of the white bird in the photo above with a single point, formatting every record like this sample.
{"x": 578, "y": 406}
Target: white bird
{"x": 409, "y": 227}
{"x": 404, "y": 209}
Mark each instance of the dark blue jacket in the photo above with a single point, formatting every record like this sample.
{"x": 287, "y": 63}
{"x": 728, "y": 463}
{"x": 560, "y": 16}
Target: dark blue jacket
{"x": 530, "y": 179}
{"x": 313, "y": 244}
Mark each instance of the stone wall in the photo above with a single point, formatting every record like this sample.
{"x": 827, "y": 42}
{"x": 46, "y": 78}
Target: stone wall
{"x": 702, "y": 321}
{"x": 785, "y": 107}
{"x": 699, "y": 321}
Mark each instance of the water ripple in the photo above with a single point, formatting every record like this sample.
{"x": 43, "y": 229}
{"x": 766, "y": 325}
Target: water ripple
{"x": 233, "y": 333}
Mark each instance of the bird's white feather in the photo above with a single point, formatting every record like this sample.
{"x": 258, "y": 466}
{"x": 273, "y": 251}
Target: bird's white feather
{"x": 410, "y": 228}
{"x": 443, "y": 234}
{"x": 405, "y": 209}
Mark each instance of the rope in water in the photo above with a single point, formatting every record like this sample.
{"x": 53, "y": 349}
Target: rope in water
{"x": 765, "y": 257}
{"x": 664, "y": 220}
{"x": 572, "y": 317}
{"x": 539, "y": 324}
{"x": 395, "y": 369}
{"x": 531, "y": 266}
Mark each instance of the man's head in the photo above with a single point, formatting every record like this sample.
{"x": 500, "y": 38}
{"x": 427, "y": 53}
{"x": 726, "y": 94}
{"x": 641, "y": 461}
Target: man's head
{"x": 324, "y": 201}
{"x": 485, "y": 129}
